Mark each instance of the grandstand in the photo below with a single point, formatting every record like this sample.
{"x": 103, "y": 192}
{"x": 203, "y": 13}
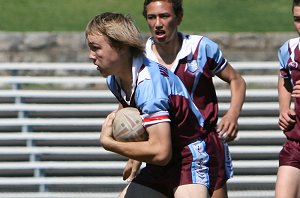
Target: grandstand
{"x": 51, "y": 115}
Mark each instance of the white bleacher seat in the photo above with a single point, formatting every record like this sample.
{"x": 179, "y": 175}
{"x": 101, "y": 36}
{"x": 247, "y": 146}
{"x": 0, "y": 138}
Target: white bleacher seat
{"x": 254, "y": 79}
{"x": 61, "y": 195}
{"x": 255, "y": 65}
{"x": 50, "y": 80}
{"x": 258, "y": 137}
{"x": 100, "y": 94}
{"x": 49, "y": 137}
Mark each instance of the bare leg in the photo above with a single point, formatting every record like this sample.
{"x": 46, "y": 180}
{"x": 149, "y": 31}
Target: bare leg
{"x": 134, "y": 190}
{"x": 191, "y": 191}
{"x": 221, "y": 192}
{"x": 288, "y": 182}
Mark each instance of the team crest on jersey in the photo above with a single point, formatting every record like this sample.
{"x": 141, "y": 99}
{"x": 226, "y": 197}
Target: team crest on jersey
{"x": 293, "y": 65}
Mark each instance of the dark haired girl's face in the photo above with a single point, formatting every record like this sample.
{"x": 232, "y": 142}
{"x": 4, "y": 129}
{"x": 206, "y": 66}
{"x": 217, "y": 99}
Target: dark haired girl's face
{"x": 296, "y": 13}
{"x": 162, "y": 21}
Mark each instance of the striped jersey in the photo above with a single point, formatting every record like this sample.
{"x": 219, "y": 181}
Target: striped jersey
{"x": 198, "y": 60}
{"x": 289, "y": 59}
{"x": 161, "y": 97}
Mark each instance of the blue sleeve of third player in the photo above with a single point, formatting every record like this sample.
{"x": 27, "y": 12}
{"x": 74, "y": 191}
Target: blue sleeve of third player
{"x": 283, "y": 57}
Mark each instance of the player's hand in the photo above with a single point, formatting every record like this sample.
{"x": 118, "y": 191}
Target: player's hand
{"x": 131, "y": 170}
{"x": 296, "y": 89}
{"x": 106, "y": 131}
{"x": 228, "y": 127}
{"x": 287, "y": 120}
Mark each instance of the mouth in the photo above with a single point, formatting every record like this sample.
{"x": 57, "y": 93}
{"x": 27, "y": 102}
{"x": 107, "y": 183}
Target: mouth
{"x": 97, "y": 67}
{"x": 160, "y": 33}
{"x": 100, "y": 71}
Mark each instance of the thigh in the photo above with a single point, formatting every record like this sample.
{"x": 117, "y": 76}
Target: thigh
{"x": 134, "y": 190}
{"x": 288, "y": 182}
{"x": 191, "y": 191}
{"x": 220, "y": 192}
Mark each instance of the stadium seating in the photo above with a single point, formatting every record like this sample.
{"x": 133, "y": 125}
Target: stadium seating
{"x": 51, "y": 115}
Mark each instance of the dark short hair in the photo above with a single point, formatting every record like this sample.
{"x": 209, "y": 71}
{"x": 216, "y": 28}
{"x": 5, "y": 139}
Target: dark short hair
{"x": 296, "y": 3}
{"x": 177, "y": 7}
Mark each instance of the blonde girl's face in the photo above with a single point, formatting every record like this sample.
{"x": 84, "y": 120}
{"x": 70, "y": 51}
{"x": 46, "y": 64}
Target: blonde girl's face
{"x": 105, "y": 57}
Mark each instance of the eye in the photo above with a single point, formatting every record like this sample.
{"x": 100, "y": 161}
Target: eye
{"x": 164, "y": 16}
{"x": 150, "y": 17}
{"x": 93, "y": 47}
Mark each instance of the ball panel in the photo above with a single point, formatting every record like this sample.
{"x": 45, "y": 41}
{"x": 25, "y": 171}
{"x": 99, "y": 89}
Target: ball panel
{"x": 127, "y": 125}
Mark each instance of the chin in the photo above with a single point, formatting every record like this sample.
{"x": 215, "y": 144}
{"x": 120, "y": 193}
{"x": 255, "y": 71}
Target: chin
{"x": 102, "y": 74}
{"x": 160, "y": 40}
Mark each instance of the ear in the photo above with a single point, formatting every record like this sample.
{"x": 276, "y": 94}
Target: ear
{"x": 125, "y": 51}
{"x": 179, "y": 19}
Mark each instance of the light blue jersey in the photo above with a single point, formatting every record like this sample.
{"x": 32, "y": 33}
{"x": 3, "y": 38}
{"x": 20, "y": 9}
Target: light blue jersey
{"x": 161, "y": 97}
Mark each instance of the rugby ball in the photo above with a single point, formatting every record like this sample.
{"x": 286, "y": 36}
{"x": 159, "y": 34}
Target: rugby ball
{"x": 128, "y": 127}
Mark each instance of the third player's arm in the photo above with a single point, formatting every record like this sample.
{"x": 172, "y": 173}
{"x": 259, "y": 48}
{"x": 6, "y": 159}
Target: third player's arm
{"x": 228, "y": 126}
{"x": 286, "y": 115}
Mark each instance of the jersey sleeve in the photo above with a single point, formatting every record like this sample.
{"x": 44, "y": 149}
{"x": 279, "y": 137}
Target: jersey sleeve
{"x": 152, "y": 99}
{"x": 213, "y": 55}
{"x": 283, "y": 56}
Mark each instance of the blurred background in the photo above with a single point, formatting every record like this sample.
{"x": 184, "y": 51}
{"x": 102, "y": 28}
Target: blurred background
{"x": 53, "y": 102}
{"x": 52, "y": 30}
{"x": 199, "y": 16}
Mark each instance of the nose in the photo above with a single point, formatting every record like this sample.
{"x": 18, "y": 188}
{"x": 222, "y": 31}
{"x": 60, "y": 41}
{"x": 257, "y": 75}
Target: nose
{"x": 91, "y": 55}
{"x": 158, "y": 23}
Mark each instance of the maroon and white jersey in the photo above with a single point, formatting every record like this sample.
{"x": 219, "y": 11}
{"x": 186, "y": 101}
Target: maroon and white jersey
{"x": 289, "y": 58}
{"x": 196, "y": 63}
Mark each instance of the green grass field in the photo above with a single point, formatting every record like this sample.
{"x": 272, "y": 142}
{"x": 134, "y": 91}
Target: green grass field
{"x": 200, "y": 15}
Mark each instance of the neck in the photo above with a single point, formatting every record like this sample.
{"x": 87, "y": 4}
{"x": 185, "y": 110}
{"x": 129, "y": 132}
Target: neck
{"x": 166, "y": 53}
{"x": 125, "y": 68}
{"x": 126, "y": 85}
{"x": 125, "y": 75}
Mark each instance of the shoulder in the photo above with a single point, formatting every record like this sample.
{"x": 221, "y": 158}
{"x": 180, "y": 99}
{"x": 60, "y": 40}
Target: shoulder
{"x": 198, "y": 38}
{"x": 209, "y": 47}
{"x": 150, "y": 70}
{"x": 192, "y": 39}
{"x": 294, "y": 41}
{"x": 200, "y": 43}
{"x": 288, "y": 53}
{"x": 291, "y": 43}
{"x": 289, "y": 47}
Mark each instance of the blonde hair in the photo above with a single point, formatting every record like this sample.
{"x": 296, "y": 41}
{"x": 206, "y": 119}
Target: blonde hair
{"x": 119, "y": 29}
